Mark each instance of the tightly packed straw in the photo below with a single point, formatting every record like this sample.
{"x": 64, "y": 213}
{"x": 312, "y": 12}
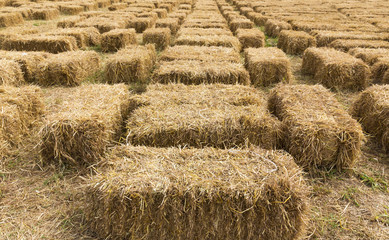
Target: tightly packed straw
{"x": 267, "y": 66}
{"x": 69, "y": 22}
{"x": 82, "y": 122}
{"x": 295, "y": 42}
{"x": 372, "y": 110}
{"x": 254, "y": 38}
{"x": 171, "y": 23}
{"x": 10, "y": 19}
{"x": 209, "y": 40}
{"x": 10, "y": 73}
{"x": 204, "y": 32}
{"x": 102, "y": 24}
{"x": 318, "y": 131}
{"x": 224, "y": 116}
{"x": 140, "y": 24}
{"x": 241, "y": 24}
{"x": 274, "y": 27}
{"x": 51, "y": 44}
{"x": 324, "y": 38}
{"x": 346, "y": 45}
{"x": 116, "y": 39}
{"x": 369, "y": 55}
{"x": 158, "y": 36}
{"x": 380, "y": 69}
{"x": 157, "y": 193}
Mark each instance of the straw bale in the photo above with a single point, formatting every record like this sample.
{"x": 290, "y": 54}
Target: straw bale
{"x": 204, "y": 24}
{"x": 83, "y": 122}
{"x": 158, "y": 36}
{"x": 308, "y": 26}
{"x": 246, "y": 10}
{"x": 241, "y": 24}
{"x": 103, "y": 3}
{"x": 185, "y": 7}
{"x": 224, "y": 116}
{"x": 152, "y": 15}
{"x": 68, "y": 68}
{"x": 209, "y": 40}
{"x": 131, "y": 65}
{"x": 116, "y": 39}
{"x": 71, "y": 9}
{"x": 171, "y": 23}
{"x": 158, "y": 193}
{"x": 319, "y": 133}
{"x": 200, "y": 72}
{"x": 274, "y": 27}
{"x": 204, "y": 31}
{"x": 10, "y": 73}
{"x": 93, "y": 35}
{"x": 257, "y": 18}
{"x": 372, "y": 110}
{"x": 369, "y": 55}
{"x": 200, "y": 53}
{"x": 78, "y": 33}
{"x": 148, "y": 5}
{"x": 103, "y": 24}
{"x": 51, "y": 44}
{"x": 89, "y": 6}
{"x": 295, "y": 42}
{"x": 346, "y": 44}
{"x": 254, "y": 38}
{"x": 69, "y": 22}
{"x": 44, "y": 14}
{"x": 324, "y": 38}
{"x": 140, "y": 24}
{"x": 162, "y": 13}
{"x": 10, "y": 19}
{"x": 379, "y": 69}
{"x": 180, "y": 16}
{"x": 335, "y": 69}
{"x": 267, "y": 66}
{"x": 167, "y": 6}
{"x": 117, "y": 6}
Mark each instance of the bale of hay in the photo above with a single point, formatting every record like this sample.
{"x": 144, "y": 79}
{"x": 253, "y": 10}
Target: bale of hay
{"x": 251, "y": 38}
{"x": 274, "y": 27}
{"x": 223, "y": 116}
{"x": 324, "y": 38}
{"x": 10, "y": 73}
{"x": 162, "y": 13}
{"x": 295, "y": 42}
{"x": 116, "y": 39}
{"x": 267, "y": 66}
{"x": 158, "y": 193}
{"x": 204, "y": 24}
{"x": 379, "y": 69}
{"x": 200, "y": 53}
{"x": 10, "y": 19}
{"x": 209, "y": 40}
{"x": 131, "y": 65}
{"x": 71, "y": 9}
{"x": 69, "y": 22}
{"x": 160, "y": 37}
{"x": 78, "y": 33}
{"x": 44, "y": 14}
{"x": 369, "y": 55}
{"x": 200, "y": 72}
{"x": 243, "y": 23}
{"x": 117, "y": 6}
{"x": 171, "y": 23}
{"x": 68, "y": 68}
{"x": 346, "y": 44}
{"x": 319, "y": 133}
{"x": 372, "y": 110}
{"x": 258, "y": 18}
{"x": 204, "y": 31}
{"x": 51, "y": 44}
{"x": 93, "y": 36}
{"x": 140, "y": 24}
{"x": 335, "y": 69}
{"x": 103, "y": 3}
{"x": 167, "y": 6}
{"x": 180, "y": 16}
{"x": 102, "y": 24}
{"x": 83, "y": 122}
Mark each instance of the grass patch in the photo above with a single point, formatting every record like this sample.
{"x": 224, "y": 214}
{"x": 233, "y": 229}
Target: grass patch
{"x": 376, "y": 183}
{"x": 383, "y": 217}
{"x": 349, "y": 195}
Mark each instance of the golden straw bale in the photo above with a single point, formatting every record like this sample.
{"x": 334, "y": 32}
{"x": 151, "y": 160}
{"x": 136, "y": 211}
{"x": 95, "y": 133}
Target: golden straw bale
{"x": 172, "y": 193}
{"x": 10, "y": 19}
{"x": 180, "y": 16}
{"x": 243, "y": 23}
{"x": 167, "y": 6}
{"x": 151, "y": 15}
{"x": 274, "y": 27}
{"x": 162, "y": 13}
{"x": 44, "y": 14}
{"x": 101, "y": 23}
{"x": 204, "y": 24}
{"x": 82, "y": 122}
{"x": 267, "y": 66}
{"x": 369, "y": 55}
{"x": 346, "y": 44}
{"x": 78, "y": 33}
{"x": 324, "y": 38}
{"x": 71, "y": 9}
{"x": 158, "y": 36}
{"x": 140, "y": 24}
{"x": 295, "y": 42}
{"x": 185, "y": 6}
{"x": 69, "y": 22}
{"x": 224, "y": 116}
{"x": 204, "y": 31}
{"x": 117, "y": 6}
{"x": 171, "y": 23}
{"x": 209, "y": 40}
{"x": 103, "y": 3}
{"x": 68, "y": 68}
{"x": 258, "y": 18}
{"x": 253, "y": 38}
{"x": 372, "y": 110}
{"x": 51, "y": 44}
{"x": 116, "y": 39}
{"x": 10, "y": 73}
{"x": 131, "y": 65}
{"x": 319, "y": 133}
{"x": 379, "y": 69}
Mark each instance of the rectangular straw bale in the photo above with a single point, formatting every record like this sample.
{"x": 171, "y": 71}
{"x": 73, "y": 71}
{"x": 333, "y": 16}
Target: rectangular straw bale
{"x": 274, "y": 27}
{"x": 68, "y": 68}
{"x": 258, "y": 18}
{"x": 346, "y": 44}
{"x": 324, "y": 38}
{"x": 204, "y": 31}
{"x": 117, "y": 6}
{"x": 78, "y": 33}
{"x": 162, "y": 13}
{"x": 223, "y": 116}
{"x": 180, "y": 16}
{"x": 152, "y": 15}
{"x": 200, "y": 53}
{"x": 267, "y": 66}
{"x": 372, "y": 110}
{"x": 69, "y": 22}
{"x": 116, "y": 39}
{"x": 242, "y": 23}
{"x": 379, "y": 69}
{"x": 10, "y": 19}
{"x": 82, "y": 122}
{"x": 253, "y": 38}
{"x": 140, "y": 24}
{"x": 199, "y": 72}
{"x": 51, "y": 44}
{"x": 369, "y": 55}
{"x": 103, "y": 24}
{"x": 335, "y": 69}
{"x": 10, "y": 73}
{"x": 131, "y": 65}
{"x": 71, "y": 9}
{"x": 204, "y": 24}
{"x": 158, "y": 193}
{"x": 319, "y": 133}
{"x": 171, "y": 23}
{"x": 103, "y": 3}
{"x": 295, "y": 42}
{"x": 44, "y": 14}
{"x": 160, "y": 37}
{"x": 209, "y": 40}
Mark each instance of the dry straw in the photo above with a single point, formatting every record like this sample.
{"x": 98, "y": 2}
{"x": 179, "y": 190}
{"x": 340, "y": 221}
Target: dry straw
{"x": 69, "y": 22}
{"x": 346, "y": 45}
{"x": 295, "y": 42}
{"x": 267, "y": 66}
{"x": 379, "y": 69}
{"x": 204, "y": 31}
{"x": 116, "y": 39}
{"x": 10, "y": 73}
{"x": 274, "y": 27}
{"x": 51, "y": 44}
{"x": 171, "y": 23}
{"x": 324, "y": 38}
{"x": 82, "y": 122}
{"x": 140, "y": 24}
{"x": 71, "y": 9}
{"x": 369, "y": 55}
{"x": 318, "y": 131}
{"x": 102, "y": 24}
{"x": 44, "y": 14}
{"x": 10, "y": 19}
{"x": 224, "y": 116}
{"x": 158, "y": 193}
{"x": 253, "y": 38}
{"x": 160, "y": 37}
{"x": 242, "y": 23}
{"x": 209, "y": 40}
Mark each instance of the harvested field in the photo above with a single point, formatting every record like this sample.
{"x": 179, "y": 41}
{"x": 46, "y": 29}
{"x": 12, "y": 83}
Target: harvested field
{"x": 167, "y": 188}
{"x": 82, "y": 122}
{"x": 224, "y": 116}
{"x": 116, "y": 39}
{"x": 346, "y": 45}
{"x": 209, "y": 40}
{"x": 160, "y": 37}
{"x": 51, "y": 44}
{"x": 295, "y": 42}
{"x": 10, "y": 73}
{"x": 251, "y": 38}
{"x": 318, "y": 131}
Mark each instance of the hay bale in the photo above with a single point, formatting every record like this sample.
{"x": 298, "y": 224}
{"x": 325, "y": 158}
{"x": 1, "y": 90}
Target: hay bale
{"x": 324, "y": 38}
{"x": 242, "y": 23}
{"x": 93, "y": 36}
{"x": 274, "y": 27}
{"x": 267, "y": 66}
{"x": 369, "y": 55}
{"x": 346, "y": 44}
{"x": 10, "y": 19}
{"x": 162, "y": 13}
{"x": 68, "y": 68}
{"x": 51, "y": 44}
{"x": 103, "y": 3}
{"x": 78, "y": 33}
{"x": 372, "y": 110}
{"x": 203, "y": 24}
{"x": 257, "y": 18}
{"x": 103, "y": 24}
{"x": 44, "y": 14}
{"x": 177, "y": 15}
{"x": 223, "y": 116}
{"x": 131, "y": 65}
{"x": 199, "y": 72}
{"x": 251, "y": 38}
{"x": 295, "y": 42}
{"x": 200, "y": 53}
{"x": 379, "y": 69}
{"x": 204, "y": 31}
{"x": 319, "y": 133}
{"x": 10, "y": 73}
{"x": 167, "y": 6}
{"x": 117, "y": 6}
{"x": 171, "y": 23}
{"x": 335, "y": 69}
{"x": 160, "y": 37}
{"x": 116, "y": 39}
{"x": 71, "y": 9}
{"x": 83, "y": 122}
{"x": 209, "y": 40}
{"x": 145, "y": 192}
{"x": 140, "y": 24}
{"x": 69, "y": 22}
